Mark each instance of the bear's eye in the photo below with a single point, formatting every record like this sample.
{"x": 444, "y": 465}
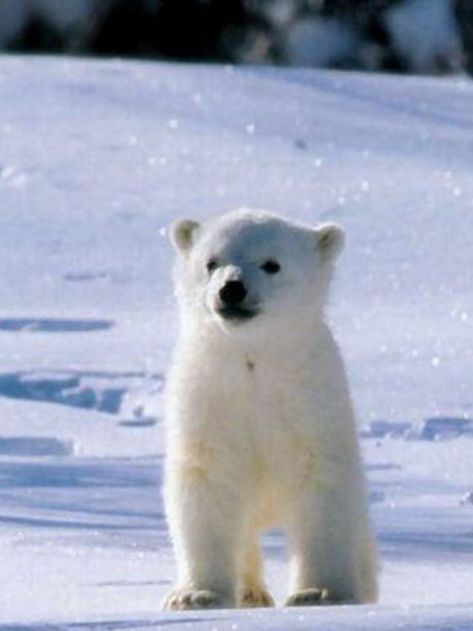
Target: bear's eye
{"x": 211, "y": 265}
{"x": 271, "y": 267}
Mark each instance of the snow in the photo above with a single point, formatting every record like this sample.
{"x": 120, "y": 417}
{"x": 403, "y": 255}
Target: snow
{"x": 97, "y": 158}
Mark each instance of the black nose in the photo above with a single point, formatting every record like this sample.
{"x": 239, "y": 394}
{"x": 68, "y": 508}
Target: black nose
{"x": 233, "y": 292}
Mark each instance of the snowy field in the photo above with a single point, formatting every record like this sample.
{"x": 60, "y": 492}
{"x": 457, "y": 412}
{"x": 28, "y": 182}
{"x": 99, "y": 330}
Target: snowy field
{"x": 96, "y": 159}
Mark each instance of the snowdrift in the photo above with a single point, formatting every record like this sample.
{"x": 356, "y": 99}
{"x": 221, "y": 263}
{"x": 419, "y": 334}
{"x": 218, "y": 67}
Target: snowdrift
{"x": 97, "y": 158}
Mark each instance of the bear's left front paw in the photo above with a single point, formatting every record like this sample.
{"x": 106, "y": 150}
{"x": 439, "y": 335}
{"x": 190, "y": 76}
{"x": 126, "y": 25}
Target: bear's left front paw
{"x": 182, "y": 599}
{"x": 312, "y": 596}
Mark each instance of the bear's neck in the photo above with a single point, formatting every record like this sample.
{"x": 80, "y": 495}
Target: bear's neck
{"x": 255, "y": 343}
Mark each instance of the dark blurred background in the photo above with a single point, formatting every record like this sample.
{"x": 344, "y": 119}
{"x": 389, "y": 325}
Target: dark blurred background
{"x": 416, "y": 36}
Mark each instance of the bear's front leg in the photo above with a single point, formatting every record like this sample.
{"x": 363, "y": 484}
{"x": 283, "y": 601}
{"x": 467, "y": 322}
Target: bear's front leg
{"x": 333, "y": 555}
{"x": 204, "y": 519}
{"x": 252, "y": 592}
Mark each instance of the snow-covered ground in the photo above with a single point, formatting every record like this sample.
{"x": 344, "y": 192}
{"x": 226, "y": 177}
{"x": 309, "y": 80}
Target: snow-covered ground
{"x": 96, "y": 159}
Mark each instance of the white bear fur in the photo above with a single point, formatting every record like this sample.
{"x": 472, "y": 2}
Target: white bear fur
{"x": 260, "y": 427}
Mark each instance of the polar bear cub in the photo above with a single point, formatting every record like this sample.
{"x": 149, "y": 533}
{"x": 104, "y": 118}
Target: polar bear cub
{"x": 260, "y": 427}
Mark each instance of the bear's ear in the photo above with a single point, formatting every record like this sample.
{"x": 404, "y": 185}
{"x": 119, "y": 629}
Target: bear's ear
{"x": 182, "y": 234}
{"x": 330, "y": 240}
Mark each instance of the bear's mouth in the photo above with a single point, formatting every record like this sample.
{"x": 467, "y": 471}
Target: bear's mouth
{"x": 236, "y": 313}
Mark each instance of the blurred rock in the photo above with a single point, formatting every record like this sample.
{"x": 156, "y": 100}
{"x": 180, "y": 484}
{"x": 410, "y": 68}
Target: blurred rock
{"x": 421, "y": 36}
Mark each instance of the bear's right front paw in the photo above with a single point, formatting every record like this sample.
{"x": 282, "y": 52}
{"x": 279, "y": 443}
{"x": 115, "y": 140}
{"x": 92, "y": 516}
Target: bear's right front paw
{"x": 309, "y": 597}
{"x": 182, "y": 599}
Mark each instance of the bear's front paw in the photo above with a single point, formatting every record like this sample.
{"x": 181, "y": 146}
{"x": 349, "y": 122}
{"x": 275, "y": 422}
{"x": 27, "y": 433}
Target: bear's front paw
{"x": 181, "y": 599}
{"x": 255, "y": 597}
{"x": 312, "y": 596}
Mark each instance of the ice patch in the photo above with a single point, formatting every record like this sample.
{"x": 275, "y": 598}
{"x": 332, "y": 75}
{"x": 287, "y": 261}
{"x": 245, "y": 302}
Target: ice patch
{"x": 382, "y": 429}
{"x": 92, "y": 276}
{"x": 147, "y": 421}
{"x": 35, "y": 446}
{"x": 444, "y": 427}
{"x": 103, "y": 392}
{"x": 53, "y": 325}
{"x": 80, "y": 474}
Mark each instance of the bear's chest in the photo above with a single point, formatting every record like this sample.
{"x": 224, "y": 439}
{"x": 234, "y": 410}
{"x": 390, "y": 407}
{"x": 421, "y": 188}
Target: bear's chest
{"x": 268, "y": 398}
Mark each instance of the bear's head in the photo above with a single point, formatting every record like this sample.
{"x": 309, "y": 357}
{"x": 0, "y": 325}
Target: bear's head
{"x": 248, "y": 267}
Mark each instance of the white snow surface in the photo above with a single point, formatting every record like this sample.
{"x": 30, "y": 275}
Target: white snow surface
{"x": 96, "y": 159}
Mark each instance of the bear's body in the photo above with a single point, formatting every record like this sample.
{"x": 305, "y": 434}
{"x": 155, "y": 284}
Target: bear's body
{"x": 259, "y": 419}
